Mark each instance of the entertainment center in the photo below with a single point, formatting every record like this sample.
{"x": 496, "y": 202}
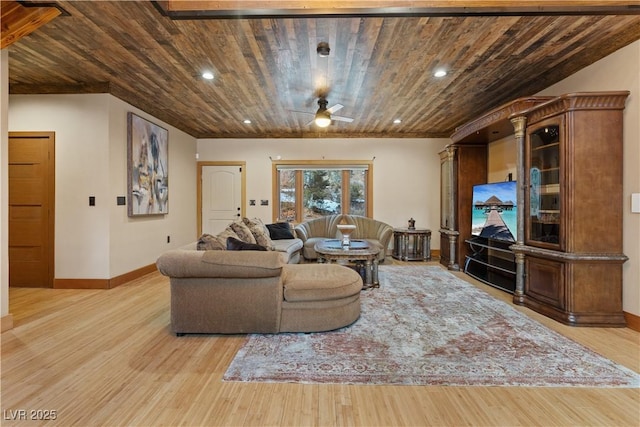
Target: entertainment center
{"x": 564, "y": 256}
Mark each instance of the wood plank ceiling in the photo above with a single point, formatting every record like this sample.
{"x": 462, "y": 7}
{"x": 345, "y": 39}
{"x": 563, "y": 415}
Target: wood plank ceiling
{"x": 266, "y": 68}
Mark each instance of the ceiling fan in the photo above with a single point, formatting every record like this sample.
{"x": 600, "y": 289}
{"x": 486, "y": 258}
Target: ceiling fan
{"x": 324, "y": 116}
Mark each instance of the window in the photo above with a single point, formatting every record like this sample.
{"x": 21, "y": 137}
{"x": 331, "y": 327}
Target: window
{"x": 306, "y": 190}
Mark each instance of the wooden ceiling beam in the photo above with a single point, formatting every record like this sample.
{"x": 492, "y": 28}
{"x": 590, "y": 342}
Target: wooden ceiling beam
{"x": 18, "y": 21}
{"x": 244, "y": 8}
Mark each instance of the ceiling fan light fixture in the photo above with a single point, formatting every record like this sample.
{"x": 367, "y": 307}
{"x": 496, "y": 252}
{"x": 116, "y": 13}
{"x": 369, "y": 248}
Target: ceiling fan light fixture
{"x": 323, "y": 119}
{"x": 323, "y": 49}
{"x": 208, "y": 75}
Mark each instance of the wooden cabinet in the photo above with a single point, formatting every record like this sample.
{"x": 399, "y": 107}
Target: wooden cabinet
{"x": 573, "y": 209}
{"x": 464, "y": 163}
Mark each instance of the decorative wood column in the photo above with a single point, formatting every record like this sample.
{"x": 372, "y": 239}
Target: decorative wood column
{"x": 520, "y": 124}
{"x": 447, "y": 155}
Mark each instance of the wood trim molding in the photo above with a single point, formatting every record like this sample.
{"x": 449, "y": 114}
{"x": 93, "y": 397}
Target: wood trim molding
{"x": 178, "y": 9}
{"x": 81, "y": 283}
{"x": 103, "y": 283}
{"x": 633, "y": 321}
{"x": 6, "y": 323}
{"x": 132, "y": 275}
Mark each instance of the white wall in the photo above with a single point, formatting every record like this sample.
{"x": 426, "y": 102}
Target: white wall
{"x": 406, "y": 172}
{"x": 620, "y": 71}
{"x": 102, "y": 242}
{"x": 131, "y": 234}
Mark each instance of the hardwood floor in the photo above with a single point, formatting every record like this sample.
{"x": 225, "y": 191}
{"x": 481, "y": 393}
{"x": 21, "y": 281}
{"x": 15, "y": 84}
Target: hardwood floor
{"x": 107, "y": 358}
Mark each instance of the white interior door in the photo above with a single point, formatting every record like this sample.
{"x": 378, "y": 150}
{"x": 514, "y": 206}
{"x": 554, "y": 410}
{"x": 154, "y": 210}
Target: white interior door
{"x": 221, "y": 197}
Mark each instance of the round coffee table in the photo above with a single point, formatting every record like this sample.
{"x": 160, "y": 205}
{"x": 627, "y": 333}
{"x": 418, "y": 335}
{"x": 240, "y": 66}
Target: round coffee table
{"x": 359, "y": 251}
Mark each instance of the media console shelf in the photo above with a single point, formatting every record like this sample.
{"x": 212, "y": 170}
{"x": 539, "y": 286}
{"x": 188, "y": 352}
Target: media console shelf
{"x": 492, "y": 262}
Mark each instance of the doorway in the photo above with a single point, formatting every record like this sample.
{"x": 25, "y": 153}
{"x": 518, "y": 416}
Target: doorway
{"x": 221, "y": 195}
{"x": 31, "y": 209}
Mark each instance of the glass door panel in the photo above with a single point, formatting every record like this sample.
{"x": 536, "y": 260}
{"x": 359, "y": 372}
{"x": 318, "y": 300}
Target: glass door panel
{"x": 544, "y": 185}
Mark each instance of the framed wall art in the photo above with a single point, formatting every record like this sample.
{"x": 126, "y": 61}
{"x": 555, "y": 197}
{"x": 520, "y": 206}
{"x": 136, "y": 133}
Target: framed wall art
{"x": 147, "y": 167}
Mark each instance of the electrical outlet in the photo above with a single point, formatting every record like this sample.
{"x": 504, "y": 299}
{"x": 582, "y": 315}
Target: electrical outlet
{"x": 168, "y": 239}
{"x": 264, "y": 202}
{"x": 92, "y": 200}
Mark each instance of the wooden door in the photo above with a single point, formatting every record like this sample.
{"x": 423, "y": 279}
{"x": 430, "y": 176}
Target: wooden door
{"x": 31, "y": 209}
{"x": 221, "y": 196}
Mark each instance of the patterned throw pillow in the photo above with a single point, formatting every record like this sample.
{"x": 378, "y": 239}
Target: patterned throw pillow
{"x": 243, "y": 231}
{"x": 259, "y": 231}
{"x": 223, "y": 235}
{"x": 207, "y": 242}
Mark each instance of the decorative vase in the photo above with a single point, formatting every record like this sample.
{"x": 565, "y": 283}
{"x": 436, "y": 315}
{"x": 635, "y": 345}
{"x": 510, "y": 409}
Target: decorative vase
{"x": 346, "y": 230}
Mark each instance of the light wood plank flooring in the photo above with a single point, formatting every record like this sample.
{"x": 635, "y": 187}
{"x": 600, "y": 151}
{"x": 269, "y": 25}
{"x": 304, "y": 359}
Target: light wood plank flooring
{"x": 107, "y": 358}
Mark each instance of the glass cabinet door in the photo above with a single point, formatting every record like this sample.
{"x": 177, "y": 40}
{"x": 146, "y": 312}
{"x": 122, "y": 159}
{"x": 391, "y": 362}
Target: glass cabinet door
{"x": 544, "y": 186}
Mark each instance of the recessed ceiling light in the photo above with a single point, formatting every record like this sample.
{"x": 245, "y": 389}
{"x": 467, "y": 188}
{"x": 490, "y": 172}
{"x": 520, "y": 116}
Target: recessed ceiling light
{"x": 207, "y": 75}
{"x": 246, "y": 121}
{"x": 397, "y": 121}
{"x": 440, "y": 73}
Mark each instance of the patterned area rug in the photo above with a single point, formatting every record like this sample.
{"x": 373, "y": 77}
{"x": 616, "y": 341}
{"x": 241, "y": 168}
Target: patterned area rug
{"x": 424, "y": 326}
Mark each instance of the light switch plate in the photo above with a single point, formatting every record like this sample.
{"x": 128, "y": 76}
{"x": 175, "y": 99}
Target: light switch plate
{"x": 635, "y": 202}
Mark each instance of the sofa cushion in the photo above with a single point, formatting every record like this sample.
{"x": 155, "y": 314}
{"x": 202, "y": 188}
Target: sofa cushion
{"x": 290, "y": 246}
{"x": 207, "y": 242}
{"x": 243, "y": 264}
{"x": 319, "y": 282}
{"x": 280, "y": 230}
{"x": 239, "y": 245}
{"x": 260, "y": 232}
{"x": 243, "y": 232}
{"x": 227, "y": 232}
{"x": 223, "y": 264}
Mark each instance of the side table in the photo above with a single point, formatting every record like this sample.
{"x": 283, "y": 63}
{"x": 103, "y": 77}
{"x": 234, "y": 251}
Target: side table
{"x": 412, "y": 244}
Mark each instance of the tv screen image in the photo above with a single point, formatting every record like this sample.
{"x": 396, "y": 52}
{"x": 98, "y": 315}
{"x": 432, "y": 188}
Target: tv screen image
{"x": 494, "y": 211}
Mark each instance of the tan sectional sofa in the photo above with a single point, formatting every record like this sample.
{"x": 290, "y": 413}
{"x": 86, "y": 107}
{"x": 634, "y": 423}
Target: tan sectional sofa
{"x": 376, "y": 233}
{"x": 254, "y": 231}
{"x": 230, "y": 292}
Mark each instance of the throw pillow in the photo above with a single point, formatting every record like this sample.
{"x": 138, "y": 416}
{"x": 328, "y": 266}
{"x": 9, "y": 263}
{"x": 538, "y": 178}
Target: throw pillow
{"x": 207, "y": 242}
{"x": 242, "y": 231}
{"x": 280, "y": 231}
{"x": 259, "y": 231}
{"x": 239, "y": 245}
{"x": 227, "y": 232}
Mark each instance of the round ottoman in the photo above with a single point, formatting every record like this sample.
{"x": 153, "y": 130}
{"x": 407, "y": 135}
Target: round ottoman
{"x": 319, "y": 297}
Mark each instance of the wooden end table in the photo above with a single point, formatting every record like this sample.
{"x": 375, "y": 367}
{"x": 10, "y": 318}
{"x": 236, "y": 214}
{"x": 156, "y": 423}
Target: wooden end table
{"x": 359, "y": 251}
{"x": 412, "y": 244}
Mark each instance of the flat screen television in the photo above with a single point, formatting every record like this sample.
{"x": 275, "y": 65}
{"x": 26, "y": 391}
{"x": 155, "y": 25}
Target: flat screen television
{"x": 494, "y": 211}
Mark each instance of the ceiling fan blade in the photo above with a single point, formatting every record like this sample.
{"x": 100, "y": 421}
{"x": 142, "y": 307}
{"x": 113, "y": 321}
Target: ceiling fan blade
{"x": 303, "y": 112}
{"x": 341, "y": 119}
{"x": 335, "y": 108}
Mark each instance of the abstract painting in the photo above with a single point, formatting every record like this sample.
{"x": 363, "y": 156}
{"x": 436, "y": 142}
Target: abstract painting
{"x": 147, "y": 161}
